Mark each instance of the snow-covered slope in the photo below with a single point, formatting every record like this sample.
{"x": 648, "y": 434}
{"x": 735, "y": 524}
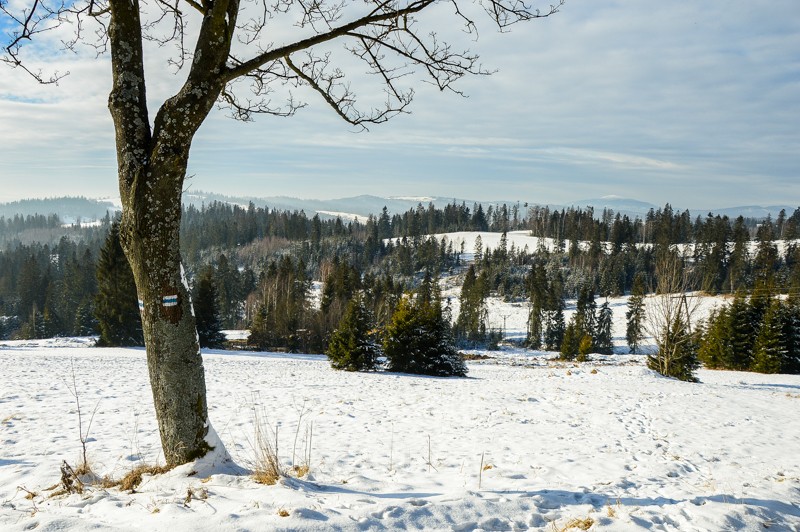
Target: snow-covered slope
{"x": 516, "y": 446}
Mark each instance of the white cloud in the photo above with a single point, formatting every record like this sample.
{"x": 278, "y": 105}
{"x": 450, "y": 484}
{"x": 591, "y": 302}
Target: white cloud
{"x": 678, "y": 101}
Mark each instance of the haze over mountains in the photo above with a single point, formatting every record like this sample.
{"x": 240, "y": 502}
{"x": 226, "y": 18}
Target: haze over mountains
{"x": 74, "y": 209}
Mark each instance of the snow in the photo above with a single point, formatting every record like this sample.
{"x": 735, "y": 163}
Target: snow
{"x": 607, "y": 440}
{"x": 345, "y": 216}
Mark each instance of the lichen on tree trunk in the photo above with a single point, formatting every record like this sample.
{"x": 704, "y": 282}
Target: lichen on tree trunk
{"x": 150, "y": 236}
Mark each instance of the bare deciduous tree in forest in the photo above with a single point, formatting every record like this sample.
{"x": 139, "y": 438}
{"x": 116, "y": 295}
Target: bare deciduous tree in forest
{"x": 669, "y": 319}
{"x": 240, "y": 48}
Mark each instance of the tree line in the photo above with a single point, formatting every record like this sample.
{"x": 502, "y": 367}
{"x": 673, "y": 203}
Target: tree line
{"x": 257, "y": 268}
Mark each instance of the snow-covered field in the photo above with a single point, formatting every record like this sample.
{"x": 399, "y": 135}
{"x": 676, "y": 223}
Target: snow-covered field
{"x": 607, "y": 443}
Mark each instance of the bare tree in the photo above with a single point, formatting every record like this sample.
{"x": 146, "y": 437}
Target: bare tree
{"x": 669, "y": 319}
{"x": 233, "y": 54}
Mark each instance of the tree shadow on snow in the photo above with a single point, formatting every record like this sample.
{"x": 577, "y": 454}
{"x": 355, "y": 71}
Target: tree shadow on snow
{"x": 307, "y": 485}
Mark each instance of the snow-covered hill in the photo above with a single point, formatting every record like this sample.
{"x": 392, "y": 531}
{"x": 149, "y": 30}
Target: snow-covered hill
{"x": 519, "y": 445}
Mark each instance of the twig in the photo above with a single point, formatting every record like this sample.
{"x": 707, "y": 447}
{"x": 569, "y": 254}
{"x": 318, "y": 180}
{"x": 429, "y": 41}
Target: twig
{"x": 480, "y": 471}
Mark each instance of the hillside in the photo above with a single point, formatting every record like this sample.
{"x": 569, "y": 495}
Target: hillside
{"x": 519, "y": 445}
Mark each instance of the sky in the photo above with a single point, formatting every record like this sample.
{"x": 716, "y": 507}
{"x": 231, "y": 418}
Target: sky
{"x": 692, "y": 103}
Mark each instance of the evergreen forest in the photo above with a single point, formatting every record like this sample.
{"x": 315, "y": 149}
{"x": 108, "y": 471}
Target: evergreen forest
{"x": 292, "y": 279}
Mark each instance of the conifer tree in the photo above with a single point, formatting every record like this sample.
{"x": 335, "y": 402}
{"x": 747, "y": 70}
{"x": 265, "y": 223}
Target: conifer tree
{"x": 478, "y": 253}
{"x": 585, "y": 347}
{"x": 715, "y": 347}
{"x": 553, "y": 313}
{"x": 743, "y": 333}
{"x": 554, "y": 328}
{"x": 769, "y": 349}
{"x": 570, "y": 344}
{"x": 352, "y": 346}
{"x": 791, "y": 332}
{"x": 471, "y": 322}
{"x": 585, "y": 311}
{"x": 260, "y": 329}
{"x": 634, "y": 331}
{"x": 116, "y": 307}
{"x": 677, "y": 353}
{"x": 603, "y": 338}
{"x": 538, "y": 287}
{"x": 206, "y": 312}
{"x": 418, "y": 339}
{"x": 669, "y": 319}
{"x": 85, "y": 322}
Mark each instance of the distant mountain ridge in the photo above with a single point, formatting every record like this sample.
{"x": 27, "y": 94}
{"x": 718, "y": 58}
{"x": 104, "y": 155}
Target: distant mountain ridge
{"x": 68, "y": 209}
{"x": 72, "y": 209}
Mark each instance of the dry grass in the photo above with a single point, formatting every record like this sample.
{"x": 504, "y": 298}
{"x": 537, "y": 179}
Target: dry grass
{"x": 470, "y": 356}
{"x": 29, "y": 495}
{"x": 267, "y": 466}
{"x": 134, "y": 477}
{"x": 301, "y": 470}
{"x": 580, "y": 524}
{"x": 283, "y": 512}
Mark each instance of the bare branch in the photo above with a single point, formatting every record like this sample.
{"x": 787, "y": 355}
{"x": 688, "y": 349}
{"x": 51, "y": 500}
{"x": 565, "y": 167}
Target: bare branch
{"x": 306, "y": 44}
{"x": 326, "y": 84}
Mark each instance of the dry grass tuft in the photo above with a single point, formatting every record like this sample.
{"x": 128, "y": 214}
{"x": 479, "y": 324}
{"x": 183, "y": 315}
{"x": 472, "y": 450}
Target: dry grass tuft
{"x": 470, "y": 356}
{"x": 134, "y": 477}
{"x": 283, "y": 512}
{"x": 580, "y": 524}
{"x": 594, "y": 371}
{"x": 267, "y": 466}
{"x": 487, "y": 467}
{"x": 301, "y": 470}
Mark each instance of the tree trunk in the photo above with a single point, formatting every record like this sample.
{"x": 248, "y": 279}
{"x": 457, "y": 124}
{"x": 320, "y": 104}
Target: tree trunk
{"x": 152, "y": 167}
{"x": 150, "y": 236}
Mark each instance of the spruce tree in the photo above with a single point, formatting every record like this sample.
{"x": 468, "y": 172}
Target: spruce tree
{"x": 603, "y": 338}
{"x": 538, "y": 288}
{"x": 743, "y": 333}
{"x": 791, "y": 332}
{"x": 677, "y": 353}
{"x": 769, "y": 349}
{"x": 570, "y": 344}
{"x": 206, "y": 312}
{"x": 352, "y": 346}
{"x": 116, "y": 307}
{"x": 554, "y": 329}
{"x": 471, "y": 322}
{"x": 553, "y": 313}
{"x": 715, "y": 349}
{"x": 261, "y": 330}
{"x": 585, "y": 347}
{"x": 418, "y": 339}
{"x": 85, "y": 322}
{"x": 585, "y": 310}
{"x": 635, "y": 316}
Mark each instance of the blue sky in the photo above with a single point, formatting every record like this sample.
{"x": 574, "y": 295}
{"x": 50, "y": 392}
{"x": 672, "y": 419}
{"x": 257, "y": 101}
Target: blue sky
{"x": 692, "y": 103}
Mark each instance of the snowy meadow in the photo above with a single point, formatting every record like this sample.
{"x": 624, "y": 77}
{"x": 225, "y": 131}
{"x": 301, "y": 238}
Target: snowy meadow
{"x": 523, "y": 443}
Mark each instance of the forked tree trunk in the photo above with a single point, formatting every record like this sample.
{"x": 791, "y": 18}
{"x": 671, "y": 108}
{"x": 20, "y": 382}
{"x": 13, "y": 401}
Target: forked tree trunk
{"x": 152, "y": 168}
